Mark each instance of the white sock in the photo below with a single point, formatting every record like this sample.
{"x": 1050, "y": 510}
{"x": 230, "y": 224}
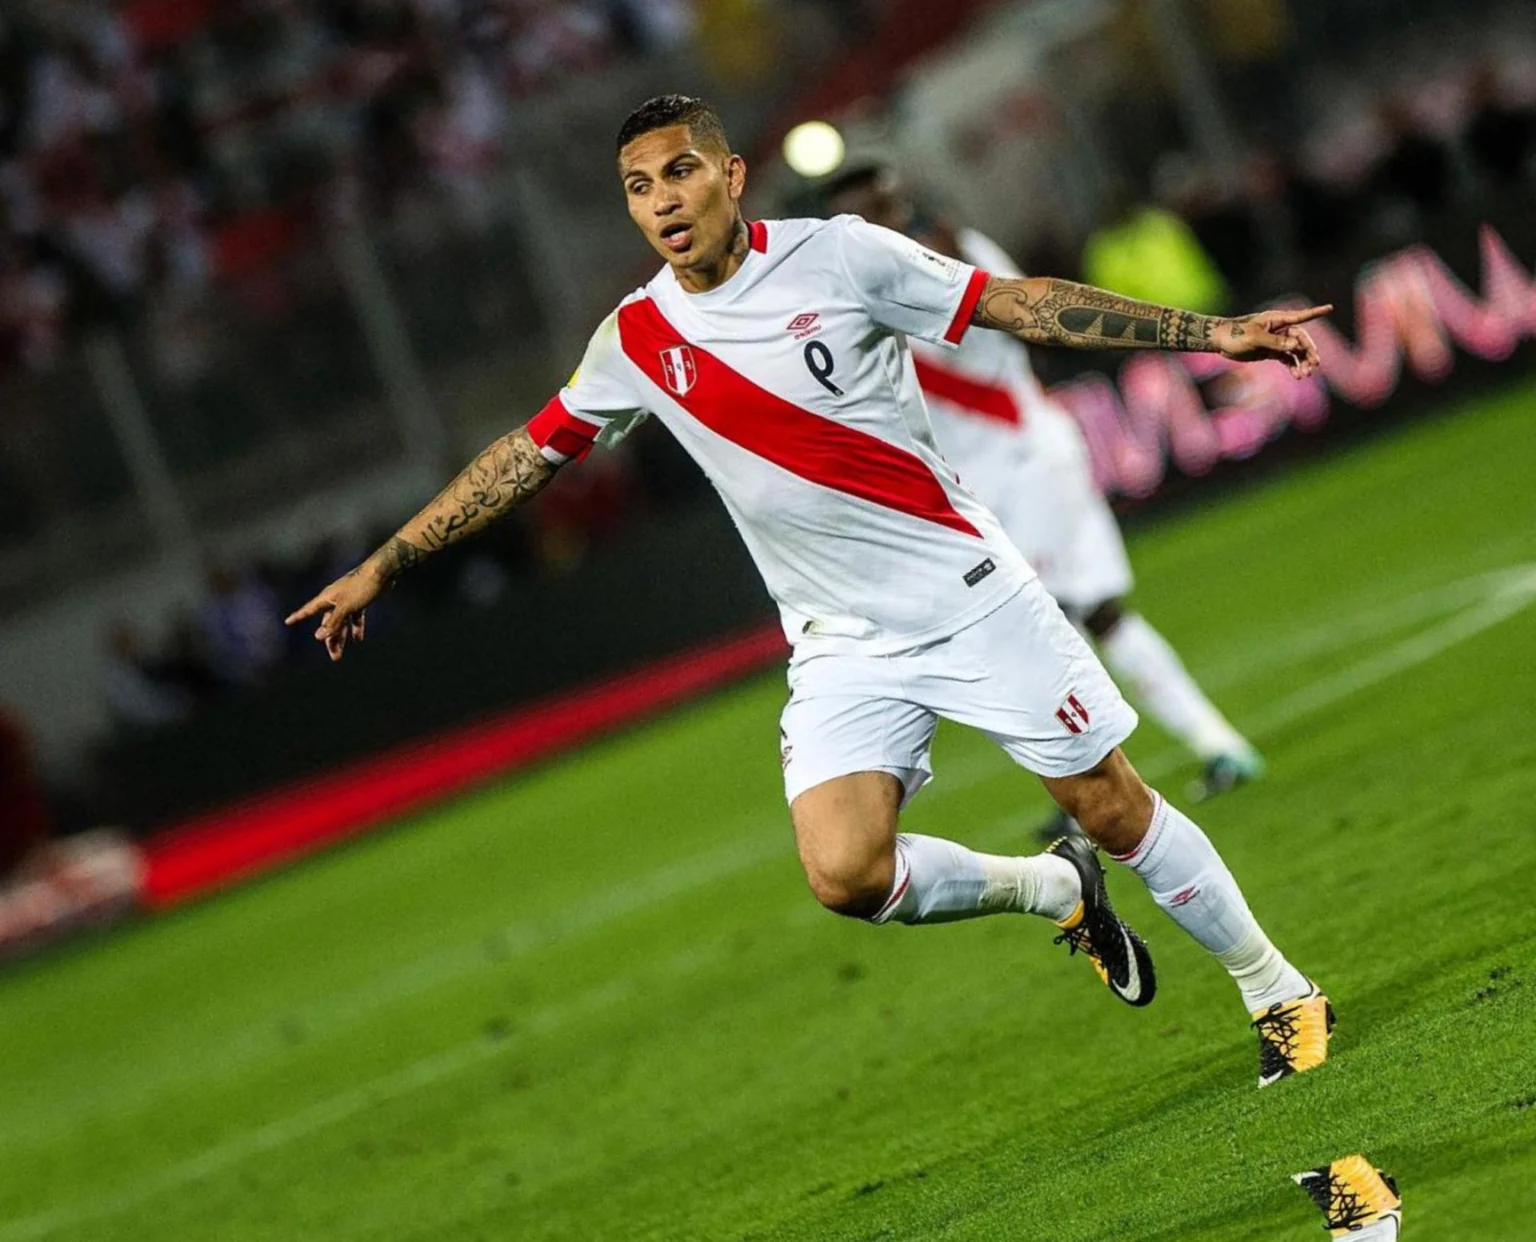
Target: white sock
{"x": 1142, "y": 661}
{"x": 1388, "y": 1229}
{"x": 938, "y": 881}
{"x": 1186, "y": 877}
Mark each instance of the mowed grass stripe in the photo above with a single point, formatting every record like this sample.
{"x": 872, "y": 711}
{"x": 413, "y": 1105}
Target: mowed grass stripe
{"x": 656, "y": 888}
{"x": 795, "y": 1077}
{"x": 1486, "y": 600}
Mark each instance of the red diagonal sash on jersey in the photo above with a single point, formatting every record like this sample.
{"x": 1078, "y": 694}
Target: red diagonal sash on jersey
{"x": 816, "y": 449}
{"x": 974, "y": 396}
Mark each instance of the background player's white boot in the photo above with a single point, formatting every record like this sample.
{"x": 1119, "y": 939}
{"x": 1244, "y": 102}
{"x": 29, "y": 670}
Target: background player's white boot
{"x": 1226, "y": 771}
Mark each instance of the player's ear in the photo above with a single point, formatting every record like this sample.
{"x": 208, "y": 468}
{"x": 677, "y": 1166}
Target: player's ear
{"x": 735, "y": 176}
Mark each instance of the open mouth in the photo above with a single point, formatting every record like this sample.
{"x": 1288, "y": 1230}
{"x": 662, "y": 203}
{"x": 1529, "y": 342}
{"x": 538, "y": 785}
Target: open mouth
{"x": 677, "y": 236}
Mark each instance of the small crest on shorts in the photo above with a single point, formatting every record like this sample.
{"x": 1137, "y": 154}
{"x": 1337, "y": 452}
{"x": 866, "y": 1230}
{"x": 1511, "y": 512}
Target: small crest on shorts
{"x": 678, "y": 370}
{"x": 1072, "y": 714}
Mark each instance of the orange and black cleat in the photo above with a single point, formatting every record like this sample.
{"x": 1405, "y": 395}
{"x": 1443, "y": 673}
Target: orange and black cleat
{"x": 1118, "y": 954}
{"x": 1359, "y": 1201}
{"x": 1293, "y": 1036}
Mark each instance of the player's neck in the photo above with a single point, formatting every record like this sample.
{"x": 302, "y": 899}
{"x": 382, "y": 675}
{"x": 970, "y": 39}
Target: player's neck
{"x": 713, "y": 272}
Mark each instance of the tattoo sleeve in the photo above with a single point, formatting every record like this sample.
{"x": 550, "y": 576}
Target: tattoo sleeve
{"x": 507, "y": 473}
{"x": 1042, "y": 311}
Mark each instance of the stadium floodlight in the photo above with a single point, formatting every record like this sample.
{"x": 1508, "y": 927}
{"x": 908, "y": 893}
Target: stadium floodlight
{"x": 813, "y": 148}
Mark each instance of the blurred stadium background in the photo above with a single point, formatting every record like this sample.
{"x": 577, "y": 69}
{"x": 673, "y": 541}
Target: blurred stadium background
{"x": 271, "y": 269}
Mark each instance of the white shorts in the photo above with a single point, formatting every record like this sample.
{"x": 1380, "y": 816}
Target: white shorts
{"x": 1022, "y": 675}
{"x": 1060, "y": 520}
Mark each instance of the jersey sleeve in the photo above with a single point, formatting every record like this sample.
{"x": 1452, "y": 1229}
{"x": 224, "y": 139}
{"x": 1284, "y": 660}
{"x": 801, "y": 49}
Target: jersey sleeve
{"x": 598, "y": 405}
{"x": 907, "y": 287}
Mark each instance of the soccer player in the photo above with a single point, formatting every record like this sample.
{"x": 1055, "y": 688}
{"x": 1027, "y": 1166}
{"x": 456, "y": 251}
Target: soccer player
{"x": 776, "y": 353}
{"x": 1025, "y": 459}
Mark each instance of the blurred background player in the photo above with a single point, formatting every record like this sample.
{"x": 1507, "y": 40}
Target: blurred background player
{"x": 1026, "y": 459}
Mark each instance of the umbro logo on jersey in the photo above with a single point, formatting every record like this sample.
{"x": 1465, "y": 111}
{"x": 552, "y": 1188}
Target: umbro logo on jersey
{"x": 804, "y": 324}
{"x": 678, "y": 369}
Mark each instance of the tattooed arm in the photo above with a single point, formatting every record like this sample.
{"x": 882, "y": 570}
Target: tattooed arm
{"x": 508, "y": 473}
{"x": 1043, "y": 311}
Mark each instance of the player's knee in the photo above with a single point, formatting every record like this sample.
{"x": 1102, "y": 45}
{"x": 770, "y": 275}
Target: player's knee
{"x": 1101, "y": 621}
{"x": 856, "y": 889}
{"x": 1117, "y": 821}
{"x": 846, "y": 834}
{"x": 1110, "y": 803}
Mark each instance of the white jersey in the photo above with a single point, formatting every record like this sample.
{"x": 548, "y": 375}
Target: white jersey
{"x": 793, "y": 387}
{"x": 1023, "y": 455}
{"x": 990, "y": 414}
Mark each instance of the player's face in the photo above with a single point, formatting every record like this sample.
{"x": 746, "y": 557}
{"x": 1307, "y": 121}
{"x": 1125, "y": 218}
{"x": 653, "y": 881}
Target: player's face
{"x": 682, "y": 196}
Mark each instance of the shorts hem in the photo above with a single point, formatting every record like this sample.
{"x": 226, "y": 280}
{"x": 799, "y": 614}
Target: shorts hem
{"x": 805, "y": 648}
{"x": 912, "y": 780}
{"x": 1106, "y": 741}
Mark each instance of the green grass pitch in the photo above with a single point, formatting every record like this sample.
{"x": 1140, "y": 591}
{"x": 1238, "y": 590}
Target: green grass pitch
{"x": 597, "y": 1002}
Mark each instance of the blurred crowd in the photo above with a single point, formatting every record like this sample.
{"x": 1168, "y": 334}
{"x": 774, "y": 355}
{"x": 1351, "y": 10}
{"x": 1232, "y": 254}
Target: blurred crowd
{"x": 1364, "y": 164}
{"x": 1379, "y": 170}
{"x": 148, "y": 146}
{"x": 232, "y": 640}
{"x": 151, "y": 148}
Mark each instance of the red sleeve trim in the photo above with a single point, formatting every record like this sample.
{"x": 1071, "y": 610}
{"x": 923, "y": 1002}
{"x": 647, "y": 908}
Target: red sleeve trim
{"x": 757, "y": 236}
{"x": 962, "y": 319}
{"x": 557, "y": 429}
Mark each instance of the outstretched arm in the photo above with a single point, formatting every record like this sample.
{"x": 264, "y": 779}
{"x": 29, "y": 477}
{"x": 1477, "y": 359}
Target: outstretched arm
{"x": 509, "y": 472}
{"x": 1044, "y": 311}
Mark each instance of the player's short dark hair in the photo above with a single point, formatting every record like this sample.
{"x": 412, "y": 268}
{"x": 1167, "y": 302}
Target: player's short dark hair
{"x": 703, "y": 121}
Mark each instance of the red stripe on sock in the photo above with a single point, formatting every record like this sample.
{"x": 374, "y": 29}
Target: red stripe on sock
{"x": 1158, "y": 807}
{"x": 894, "y": 899}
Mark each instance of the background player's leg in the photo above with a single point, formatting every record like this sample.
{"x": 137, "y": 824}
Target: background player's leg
{"x": 1143, "y": 661}
{"x": 857, "y": 863}
{"x": 1092, "y": 579}
{"x": 1182, "y": 871}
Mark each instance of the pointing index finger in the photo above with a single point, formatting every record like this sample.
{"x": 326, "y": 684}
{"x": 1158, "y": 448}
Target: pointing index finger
{"x": 1290, "y": 318}
{"x": 308, "y": 610}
